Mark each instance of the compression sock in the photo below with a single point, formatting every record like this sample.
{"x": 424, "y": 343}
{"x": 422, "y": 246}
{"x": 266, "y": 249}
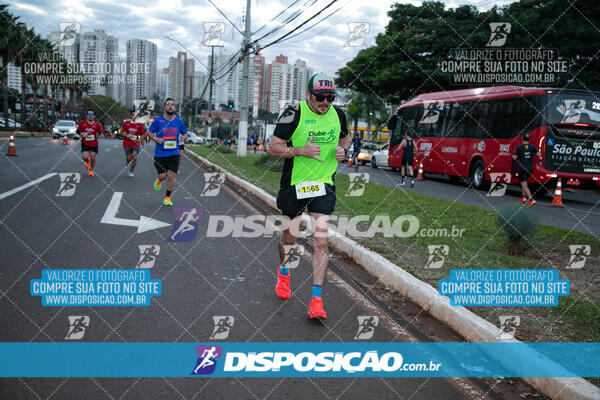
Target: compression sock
{"x": 316, "y": 290}
{"x": 168, "y": 193}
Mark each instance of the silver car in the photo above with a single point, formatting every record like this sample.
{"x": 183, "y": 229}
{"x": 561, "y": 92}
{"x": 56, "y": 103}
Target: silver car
{"x": 380, "y": 157}
{"x": 65, "y": 126}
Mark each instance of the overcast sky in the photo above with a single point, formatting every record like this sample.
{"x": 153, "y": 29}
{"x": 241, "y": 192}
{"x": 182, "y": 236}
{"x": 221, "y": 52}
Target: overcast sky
{"x": 323, "y": 46}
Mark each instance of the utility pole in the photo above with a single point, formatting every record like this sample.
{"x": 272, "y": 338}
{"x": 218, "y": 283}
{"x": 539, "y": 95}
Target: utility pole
{"x": 210, "y": 82}
{"x": 243, "y": 127}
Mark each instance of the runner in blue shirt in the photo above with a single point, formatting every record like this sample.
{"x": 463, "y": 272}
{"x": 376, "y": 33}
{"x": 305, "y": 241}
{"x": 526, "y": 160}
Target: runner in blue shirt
{"x": 165, "y": 131}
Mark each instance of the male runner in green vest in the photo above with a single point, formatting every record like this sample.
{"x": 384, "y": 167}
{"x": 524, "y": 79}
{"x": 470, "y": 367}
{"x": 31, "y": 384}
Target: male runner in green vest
{"x": 312, "y": 137}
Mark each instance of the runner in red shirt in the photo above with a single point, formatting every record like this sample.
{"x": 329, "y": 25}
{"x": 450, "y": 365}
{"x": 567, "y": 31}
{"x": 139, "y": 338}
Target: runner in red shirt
{"x": 132, "y": 133}
{"x": 89, "y": 130}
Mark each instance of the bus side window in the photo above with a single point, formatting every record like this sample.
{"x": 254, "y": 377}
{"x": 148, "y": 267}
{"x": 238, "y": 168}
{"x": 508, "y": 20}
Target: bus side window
{"x": 472, "y": 117}
{"x": 501, "y": 119}
{"x": 457, "y": 121}
{"x": 483, "y": 120}
{"x": 397, "y": 132}
{"x": 526, "y": 115}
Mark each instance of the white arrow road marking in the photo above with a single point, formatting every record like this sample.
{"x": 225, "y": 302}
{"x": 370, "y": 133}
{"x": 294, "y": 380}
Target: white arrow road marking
{"x": 143, "y": 225}
{"x": 25, "y": 186}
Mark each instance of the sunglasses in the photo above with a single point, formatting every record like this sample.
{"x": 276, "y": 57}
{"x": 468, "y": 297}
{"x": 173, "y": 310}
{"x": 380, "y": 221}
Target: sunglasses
{"x": 90, "y": 114}
{"x": 320, "y": 97}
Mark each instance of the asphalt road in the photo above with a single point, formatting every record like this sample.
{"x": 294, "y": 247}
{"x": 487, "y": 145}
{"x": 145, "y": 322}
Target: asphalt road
{"x": 201, "y": 278}
{"x": 581, "y": 212}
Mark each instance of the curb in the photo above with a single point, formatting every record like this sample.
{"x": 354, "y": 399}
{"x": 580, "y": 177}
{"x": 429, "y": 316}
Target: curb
{"x": 472, "y": 327}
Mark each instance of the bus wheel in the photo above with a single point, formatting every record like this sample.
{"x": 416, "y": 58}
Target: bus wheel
{"x": 478, "y": 176}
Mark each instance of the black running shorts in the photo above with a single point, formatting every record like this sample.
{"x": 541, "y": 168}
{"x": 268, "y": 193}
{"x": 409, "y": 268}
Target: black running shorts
{"x": 291, "y": 207}
{"x": 164, "y": 164}
{"x": 89, "y": 148}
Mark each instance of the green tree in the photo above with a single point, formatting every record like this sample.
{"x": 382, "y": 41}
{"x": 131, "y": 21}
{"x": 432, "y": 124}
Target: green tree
{"x": 405, "y": 58}
{"x": 10, "y": 44}
{"x": 108, "y": 111}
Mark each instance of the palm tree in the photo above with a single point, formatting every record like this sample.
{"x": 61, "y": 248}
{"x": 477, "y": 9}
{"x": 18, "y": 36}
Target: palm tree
{"x": 29, "y": 41}
{"x": 10, "y": 45}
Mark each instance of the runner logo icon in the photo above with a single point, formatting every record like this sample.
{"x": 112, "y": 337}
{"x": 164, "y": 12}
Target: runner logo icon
{"x": 500, "y": 181}
{"x": 358, "y": 183}
{"x": 508, "y": 326}
{"x": 579, "y": 254}
{"x": 77, "y": 325}
{"x": 186, "y": 223}
{"x": 292, "y": 255}
{"x": 68, "y": 184}
{"x": 437, "y": 255}
{"x": 212, "y": 183}
{"x": 366, "y": 326}
{"x": 357, "y": 33}
{"x": 207, "y": 359}
{"x": 68, "y": 33}
{"x": 212, "y": 33}
{"x": 431, "y": 112}
{"x": 223, "y": 324}
{"x": 500, "y": 31}
{"x": 148, "y": 254}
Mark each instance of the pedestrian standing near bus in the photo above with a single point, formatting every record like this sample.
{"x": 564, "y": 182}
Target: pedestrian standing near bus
{"x": 523, "y": 155}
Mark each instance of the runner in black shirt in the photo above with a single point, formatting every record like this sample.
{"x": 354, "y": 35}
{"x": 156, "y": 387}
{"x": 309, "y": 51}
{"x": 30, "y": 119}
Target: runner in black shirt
{"x": 407, "y": 158}
{"x": 524, "y": 154}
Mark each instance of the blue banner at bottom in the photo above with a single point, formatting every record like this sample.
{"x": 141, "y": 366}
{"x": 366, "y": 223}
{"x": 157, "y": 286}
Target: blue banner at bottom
{"x": 303, "y": 359}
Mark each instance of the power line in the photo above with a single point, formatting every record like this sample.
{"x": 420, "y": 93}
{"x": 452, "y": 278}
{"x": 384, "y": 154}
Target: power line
{"x": 275, "y": 17}
{"x": 313, "y": 25}
{"x": 299, "y": 26}
{"x": 223, "y": 14}
{"x": 288, "y": 19}
{"x": 186, "y": 49}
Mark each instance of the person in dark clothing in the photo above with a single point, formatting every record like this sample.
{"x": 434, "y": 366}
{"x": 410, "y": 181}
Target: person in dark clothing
{"x": 407, "y": 158}
{"x": 523, "y": 155}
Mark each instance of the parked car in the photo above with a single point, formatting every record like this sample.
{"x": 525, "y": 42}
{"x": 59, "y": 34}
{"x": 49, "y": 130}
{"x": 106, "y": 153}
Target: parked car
{"x": 366, "y": 152}
{"x": 65, "y": 126}
{"x": 11, "y": 123}
{"x": 380, "y": 157}
{"x": 210, "y": 141}
{"x": 193, "y": 138}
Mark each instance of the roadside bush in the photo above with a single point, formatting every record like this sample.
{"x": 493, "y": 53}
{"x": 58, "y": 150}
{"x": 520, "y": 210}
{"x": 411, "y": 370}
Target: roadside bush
{"x": 269, "y": 163}
{"x": 520, "y": 225}
{"x": 223, "y": 149}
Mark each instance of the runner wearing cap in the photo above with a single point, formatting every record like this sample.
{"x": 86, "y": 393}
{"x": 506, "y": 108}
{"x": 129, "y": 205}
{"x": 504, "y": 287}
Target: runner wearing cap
{"x": 523, "y": 155}
{"x": 89, "y": 130}
{"x": 166, "y": 131}
{"x": 132, "y": 133}
{"x": 312, "y": 137}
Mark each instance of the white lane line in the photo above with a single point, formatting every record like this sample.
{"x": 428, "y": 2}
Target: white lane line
{"x": 107, "y": 149}
{"x": 25, "y": 186}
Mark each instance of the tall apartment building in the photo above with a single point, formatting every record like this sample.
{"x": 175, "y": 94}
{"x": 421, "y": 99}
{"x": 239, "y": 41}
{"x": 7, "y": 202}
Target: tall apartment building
{"x": 279, "y": 85}
{"x": 200, "y": 81}
{"x": 257, "y": 82}
{"x": 97, "y": 54}
{"x": 162, "y": 78}
{"x": 141, "y": 57}
{"x": 181, "y": 77}
{"x": 70, "y": 53}
{"x": 302, "y": 74}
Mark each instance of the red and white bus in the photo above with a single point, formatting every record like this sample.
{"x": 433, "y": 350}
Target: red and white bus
{"x": 472, "y": 133}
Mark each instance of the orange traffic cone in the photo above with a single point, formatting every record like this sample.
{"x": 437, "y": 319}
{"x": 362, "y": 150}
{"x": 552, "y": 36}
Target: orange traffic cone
{"x": 420, "y": 173}
{"x": 557, "y": 200}
{"x": 12, "y": 150}
{"x": 65, "y": 139}
{"x": 350, "y": 161}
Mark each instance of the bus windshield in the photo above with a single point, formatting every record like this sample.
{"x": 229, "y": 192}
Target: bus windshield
{"x": 574, "y": 107}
